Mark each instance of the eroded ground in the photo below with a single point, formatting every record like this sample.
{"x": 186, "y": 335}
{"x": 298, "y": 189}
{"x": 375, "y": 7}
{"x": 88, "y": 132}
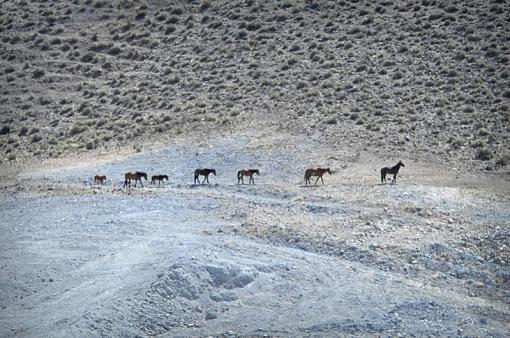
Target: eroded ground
{"x": 426, "y": 256}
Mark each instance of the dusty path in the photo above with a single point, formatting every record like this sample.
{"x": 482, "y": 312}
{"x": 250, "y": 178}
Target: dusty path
{"x": 351, "y": 257}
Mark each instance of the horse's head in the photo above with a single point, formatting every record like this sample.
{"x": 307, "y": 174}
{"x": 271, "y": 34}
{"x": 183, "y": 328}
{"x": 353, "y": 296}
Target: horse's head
{"x": 165, "y": 177}
{"x": 400, "y": 164}
{"x": 214, "y": 171}
{"x": 256, "y": 171}
{"x": 144, "y": 175}
{"x": 328, "y": 171}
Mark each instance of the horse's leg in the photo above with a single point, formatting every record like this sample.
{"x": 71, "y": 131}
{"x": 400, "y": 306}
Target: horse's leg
{"x": 317, "y": 180}
{"x": 322, "y": 180}
{"x": 395, "y": 178}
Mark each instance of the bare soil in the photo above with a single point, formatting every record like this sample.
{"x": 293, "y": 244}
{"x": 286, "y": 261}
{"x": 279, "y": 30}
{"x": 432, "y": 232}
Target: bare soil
{"x": 427, "y": 256}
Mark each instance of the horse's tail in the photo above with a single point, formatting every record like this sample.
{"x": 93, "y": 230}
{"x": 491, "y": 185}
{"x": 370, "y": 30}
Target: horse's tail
{"x": 239, "y": 175}
{"x": 383, "y": 174}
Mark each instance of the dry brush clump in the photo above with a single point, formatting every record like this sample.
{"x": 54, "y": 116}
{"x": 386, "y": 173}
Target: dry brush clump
{"x": 432, "y": 72}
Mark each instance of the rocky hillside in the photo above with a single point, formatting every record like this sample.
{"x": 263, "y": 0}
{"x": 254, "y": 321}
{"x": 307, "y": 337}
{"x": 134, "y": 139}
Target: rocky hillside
{"x": 423, "y": 77}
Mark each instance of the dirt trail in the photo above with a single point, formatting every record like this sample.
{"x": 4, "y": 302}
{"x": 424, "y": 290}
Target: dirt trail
{"x": 349, "y": 257}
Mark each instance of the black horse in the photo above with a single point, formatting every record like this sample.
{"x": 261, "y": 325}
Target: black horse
{"x": 204, "y": 172}
{"x": 247, "y": 172}
{"x": 393, "y": 170}
{"x": 158, "y": 178}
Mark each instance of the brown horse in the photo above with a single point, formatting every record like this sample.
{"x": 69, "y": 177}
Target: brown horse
{"x": 204, "y": 172}
{"x": 99, "y": 179}
{"x": 247, "y": 172}
{"x": 134, "y": 175}
{"x": 158, "y": 178}
{"x": 316, "y": 172}
{"x": 393, "y": 170}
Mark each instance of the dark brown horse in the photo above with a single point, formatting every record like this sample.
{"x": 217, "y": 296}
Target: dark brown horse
{"x": 204, "y": 172}
{"x": 247, "y": 172}
{"x": 134, "y": 175}
{"x": 99, "y": 179}
{"x": 316, "y": 172}
{"x": 158, "y": 178}
{"x": 393, "y": 170}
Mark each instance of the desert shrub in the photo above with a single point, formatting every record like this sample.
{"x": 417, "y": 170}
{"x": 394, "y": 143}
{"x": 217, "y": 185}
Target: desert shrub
{"x": 177, "y": 11}
{"x": 361, "y": 68}
{"x": 5, "y": 130}
{"x": 114, "y": 51}
{"x": 451, "y": 9}
{"x": 23, "y": 131}
{"x": 106, "y": 137}
{"x": 253, "y": 26}
{"x": 483, "y": 132}
{"x": 241, "y": 34}
{"x": 35, "y": 138}
{"x": 56, "y": 41}
{"x": 483, "y": 154}
{"x": 174, "y": 79}
{"x": 452, "y": 73}
{"x": 331, "y": 120}
{"x": 170, "y": 29}
{"x": 95, "y": 73}
{"x": 301, "y": 85}
{"x": 455, "y": 142}
{"x": 76, "y": 129}
{"x": 172, "y": 20}
{"x": 101, "y": 122}
{"x": 88, "y": 57}
{"x": 44, "y": 101}
{"x": 38, "y": 73}
{"x": 503, "y": 160}
{"x": 397, "y": 76}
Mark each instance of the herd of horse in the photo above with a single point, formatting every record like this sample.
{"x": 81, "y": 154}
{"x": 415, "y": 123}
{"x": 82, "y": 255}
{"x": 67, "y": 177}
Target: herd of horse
{"x": 137, "y": 176}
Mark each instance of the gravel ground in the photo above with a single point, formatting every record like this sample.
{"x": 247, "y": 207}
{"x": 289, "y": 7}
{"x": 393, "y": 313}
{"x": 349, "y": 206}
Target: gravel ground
{"x": 352, "y": 257}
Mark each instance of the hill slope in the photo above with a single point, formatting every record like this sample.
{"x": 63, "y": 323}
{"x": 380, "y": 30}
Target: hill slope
{"x": 427, "y": 77}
